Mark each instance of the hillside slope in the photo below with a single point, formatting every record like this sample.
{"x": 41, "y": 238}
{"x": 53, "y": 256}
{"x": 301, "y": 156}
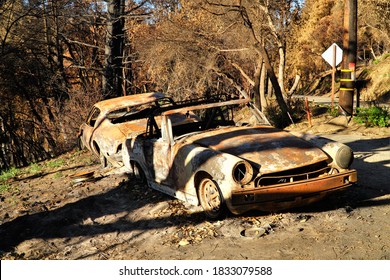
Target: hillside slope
{"x": 377, "y": 81}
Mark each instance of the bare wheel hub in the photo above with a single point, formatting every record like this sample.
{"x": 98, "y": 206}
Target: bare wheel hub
{"x": 210, "y": 198}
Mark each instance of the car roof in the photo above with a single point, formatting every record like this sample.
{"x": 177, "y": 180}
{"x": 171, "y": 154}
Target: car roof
{"x": 109, "y": 105}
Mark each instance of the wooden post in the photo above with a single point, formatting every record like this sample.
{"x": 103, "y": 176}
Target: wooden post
{"x": 333, "y": 74}
{"x": 308, "y": 110}
{"x": 349, "y": 57}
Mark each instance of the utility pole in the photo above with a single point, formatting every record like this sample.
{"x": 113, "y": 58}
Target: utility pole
{"x": 348, "y": 71}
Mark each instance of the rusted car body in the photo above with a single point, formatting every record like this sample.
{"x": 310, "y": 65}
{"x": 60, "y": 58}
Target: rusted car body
{"x": 212, "y": 162}
{"x": 111, "y": 121}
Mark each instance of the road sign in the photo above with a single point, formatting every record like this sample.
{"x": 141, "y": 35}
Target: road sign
{"x": 328, "y": 55}
{"x": 333, "y": 55}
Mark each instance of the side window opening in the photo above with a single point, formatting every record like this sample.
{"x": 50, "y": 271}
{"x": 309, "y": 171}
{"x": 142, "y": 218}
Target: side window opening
{"x": 152, "y": 128}
{"x": 93, "y": 115}
{"x": 126, "y": 115}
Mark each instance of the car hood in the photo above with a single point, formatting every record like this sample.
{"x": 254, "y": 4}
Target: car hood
{"x": 270, "y": 149}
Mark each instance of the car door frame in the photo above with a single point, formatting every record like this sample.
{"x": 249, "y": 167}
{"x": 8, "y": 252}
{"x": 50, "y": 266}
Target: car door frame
{"x": 157, "y": 153}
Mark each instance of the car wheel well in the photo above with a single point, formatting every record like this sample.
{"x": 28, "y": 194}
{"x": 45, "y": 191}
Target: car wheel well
{"x": 80, "y": 144}
{"x": 96, "y": 147}
{"x": 103, "y": 160}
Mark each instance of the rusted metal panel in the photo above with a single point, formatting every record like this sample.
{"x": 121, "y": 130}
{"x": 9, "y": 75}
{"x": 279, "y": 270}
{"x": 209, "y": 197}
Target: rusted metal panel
{"x": 132, "y": 126}
{"x": 208, "y": 106}
{"x": 128, "y": 101}
{"x": 290, "y": 195}
{"x": 105, "y": 134}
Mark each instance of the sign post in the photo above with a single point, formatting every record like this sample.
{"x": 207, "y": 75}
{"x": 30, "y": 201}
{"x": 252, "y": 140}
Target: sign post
{"x": 333, "y": 55}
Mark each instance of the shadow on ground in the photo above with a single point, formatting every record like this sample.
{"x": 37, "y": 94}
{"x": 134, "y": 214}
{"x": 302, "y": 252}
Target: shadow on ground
{"x": 69, "y": 220}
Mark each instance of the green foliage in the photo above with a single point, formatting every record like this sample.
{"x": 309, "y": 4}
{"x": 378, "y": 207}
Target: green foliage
{"x": 58, "y": 175}
{"x": 373, "y": 116}
{"x": 34, "y": 168}
{"x": 56, "y": 163}
{"x": 4, "y": 187}
{"x": 6, "y": 175}
{"x": 334, "y": 112}
{"x": 381, "y": 58}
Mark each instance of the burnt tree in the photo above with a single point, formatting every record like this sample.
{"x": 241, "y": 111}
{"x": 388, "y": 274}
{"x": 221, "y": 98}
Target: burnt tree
{"x": 112, "y": 77}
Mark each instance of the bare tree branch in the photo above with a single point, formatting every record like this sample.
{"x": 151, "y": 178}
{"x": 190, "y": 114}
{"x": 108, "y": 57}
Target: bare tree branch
{"x": 250, "y": 81}
{"x": 80, "y": 43}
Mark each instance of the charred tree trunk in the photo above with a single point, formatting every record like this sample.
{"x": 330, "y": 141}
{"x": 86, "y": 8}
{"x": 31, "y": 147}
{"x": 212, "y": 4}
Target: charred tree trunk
{"x": 256, "y": 87}
{"x": 282, "y": 64}
{"x": 54, "y": 49}
{"x": 260, "y": 85}
{"x": 114, "y": 49}
{"x": 263, "y": 88}
{"x": 275, "y": 84}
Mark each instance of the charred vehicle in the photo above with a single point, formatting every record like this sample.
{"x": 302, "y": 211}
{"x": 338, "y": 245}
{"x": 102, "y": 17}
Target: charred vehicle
{"x": 211, "y": 161}
{"x": 111, "y": 121}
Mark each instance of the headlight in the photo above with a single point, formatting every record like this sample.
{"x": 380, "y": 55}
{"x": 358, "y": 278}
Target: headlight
{"x": 242, "y": 172}
{"x": 344, "y": 157}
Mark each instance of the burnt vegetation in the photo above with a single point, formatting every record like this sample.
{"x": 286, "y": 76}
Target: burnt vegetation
{"x": 58, "y": 57}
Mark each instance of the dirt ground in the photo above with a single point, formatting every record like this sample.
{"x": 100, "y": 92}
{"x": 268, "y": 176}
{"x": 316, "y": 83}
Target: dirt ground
{"x": 45, "y": 215}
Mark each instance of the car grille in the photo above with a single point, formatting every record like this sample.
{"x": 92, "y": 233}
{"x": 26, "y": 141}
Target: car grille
{"x": 300, "y": 174}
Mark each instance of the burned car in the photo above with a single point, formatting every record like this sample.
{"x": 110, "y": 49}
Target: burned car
{"x": 111, "y": 121}
{"x": 211, "y": 161}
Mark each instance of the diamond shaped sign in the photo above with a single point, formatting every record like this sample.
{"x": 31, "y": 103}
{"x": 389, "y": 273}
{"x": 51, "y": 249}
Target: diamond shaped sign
{"x": 328, "y": 54}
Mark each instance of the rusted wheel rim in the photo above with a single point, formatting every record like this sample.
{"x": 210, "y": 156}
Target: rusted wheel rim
{"x": 210, "y": 198}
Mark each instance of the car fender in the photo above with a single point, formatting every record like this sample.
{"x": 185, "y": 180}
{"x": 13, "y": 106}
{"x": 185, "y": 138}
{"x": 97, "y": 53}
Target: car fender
{"x": 340, "y": 155}
{"x": 193, "y": 162}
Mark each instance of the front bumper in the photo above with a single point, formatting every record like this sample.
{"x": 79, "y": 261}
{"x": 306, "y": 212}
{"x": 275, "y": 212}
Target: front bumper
{"x": 290, "y": 195}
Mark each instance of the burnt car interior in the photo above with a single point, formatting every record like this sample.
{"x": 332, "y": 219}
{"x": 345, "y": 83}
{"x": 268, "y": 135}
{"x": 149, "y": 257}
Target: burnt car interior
{"x": 138, "y": 112}
{"x": 208, "y": 117}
